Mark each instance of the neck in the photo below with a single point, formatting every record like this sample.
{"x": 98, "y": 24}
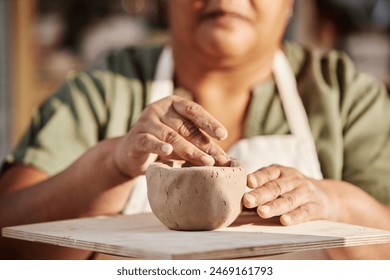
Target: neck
{"x": 225, "y": 78}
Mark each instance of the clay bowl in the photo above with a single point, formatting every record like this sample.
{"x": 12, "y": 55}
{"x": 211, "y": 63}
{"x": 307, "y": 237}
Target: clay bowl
{"x": 195, "y": 197}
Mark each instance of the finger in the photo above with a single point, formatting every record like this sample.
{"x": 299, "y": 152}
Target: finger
{"x": 304, "y": 213}
{"x": 263, "y": 175}
{"x": 284, "y": 204}
{"x": 150, "y": 144}
{"x": 191, "y": 133}
{"x": 270, "y": 173}
{"x": 269, "y": 191}
{"x": 200, "y": 117}
{"x": 183, "y": 148}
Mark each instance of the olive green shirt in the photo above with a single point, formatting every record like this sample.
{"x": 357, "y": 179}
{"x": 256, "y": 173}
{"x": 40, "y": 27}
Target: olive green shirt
{"x": 348, "y": 111}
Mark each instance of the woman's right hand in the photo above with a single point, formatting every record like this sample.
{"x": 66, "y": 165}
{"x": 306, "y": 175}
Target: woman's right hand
{"x": 171, "y": 126}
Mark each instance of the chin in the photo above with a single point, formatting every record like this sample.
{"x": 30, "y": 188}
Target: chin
{"x": 225, "y": 47}
{"x": 225, "y": 43}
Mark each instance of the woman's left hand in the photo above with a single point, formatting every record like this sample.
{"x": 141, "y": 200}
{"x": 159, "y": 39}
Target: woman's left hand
{"x": 285, "y": 192}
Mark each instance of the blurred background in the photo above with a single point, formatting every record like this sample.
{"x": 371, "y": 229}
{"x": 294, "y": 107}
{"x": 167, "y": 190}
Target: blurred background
{"x": 41, "y": 40}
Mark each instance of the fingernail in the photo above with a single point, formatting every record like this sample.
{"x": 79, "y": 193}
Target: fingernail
{"x": 286, "y": 218}
{"x": 221, "y": 133}
{"x": 251, "y": 200}
{"x": 264, "y": 209}
{"x": 167, "y": 149}
{"x": 252, "y": 181}
{"x": 223, "y": 159}
{"x": 226, "y": 157}
{"x": 208, "y": 160}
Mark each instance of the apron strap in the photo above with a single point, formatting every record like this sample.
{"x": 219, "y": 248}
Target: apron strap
{"x": 294, "y": 109}
{"x": 162, "y": 85}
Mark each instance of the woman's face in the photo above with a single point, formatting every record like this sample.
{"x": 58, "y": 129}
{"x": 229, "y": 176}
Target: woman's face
{"x": 226, "y": 28}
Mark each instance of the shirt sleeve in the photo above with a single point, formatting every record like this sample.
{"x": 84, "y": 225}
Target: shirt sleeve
{"x": 103, "y": 101}
{"x": 365, "y": 113}
{"x": 63, "y": 127}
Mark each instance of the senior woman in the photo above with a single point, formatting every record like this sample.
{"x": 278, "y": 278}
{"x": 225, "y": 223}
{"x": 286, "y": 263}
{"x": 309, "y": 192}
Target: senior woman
{"x": 226, "y": 86}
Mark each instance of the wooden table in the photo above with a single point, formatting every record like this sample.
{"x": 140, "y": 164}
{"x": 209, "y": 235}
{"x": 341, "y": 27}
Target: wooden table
{"x": 143, "y": 236}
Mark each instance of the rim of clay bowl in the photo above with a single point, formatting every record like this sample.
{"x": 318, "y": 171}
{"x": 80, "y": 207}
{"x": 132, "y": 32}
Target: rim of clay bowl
{"x": 181, "y": 164}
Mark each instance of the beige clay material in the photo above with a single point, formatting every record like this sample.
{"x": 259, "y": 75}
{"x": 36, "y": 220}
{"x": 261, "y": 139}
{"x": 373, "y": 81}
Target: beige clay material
{"x": 195, "y": 197}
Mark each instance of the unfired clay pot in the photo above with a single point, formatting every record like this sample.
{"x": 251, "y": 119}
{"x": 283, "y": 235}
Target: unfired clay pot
{"x": 195, "y": 197}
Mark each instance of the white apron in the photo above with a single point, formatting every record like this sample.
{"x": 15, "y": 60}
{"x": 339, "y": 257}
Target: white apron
{"x": 296, "y": 150}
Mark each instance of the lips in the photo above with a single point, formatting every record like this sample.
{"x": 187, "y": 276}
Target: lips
{"x": 221, "y": 13}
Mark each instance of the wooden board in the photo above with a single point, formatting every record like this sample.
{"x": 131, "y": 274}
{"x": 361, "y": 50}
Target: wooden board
{"x": 143, "y": 236}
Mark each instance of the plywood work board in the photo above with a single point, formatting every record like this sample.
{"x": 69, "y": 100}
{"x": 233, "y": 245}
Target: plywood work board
{"x": 143, "y": 236}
